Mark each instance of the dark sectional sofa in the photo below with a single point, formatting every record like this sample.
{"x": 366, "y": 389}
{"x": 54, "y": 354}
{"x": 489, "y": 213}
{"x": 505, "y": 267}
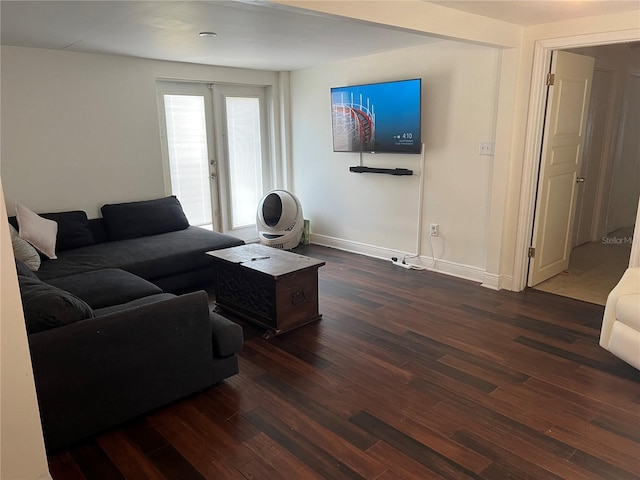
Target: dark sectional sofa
{"x": 107, "y": 340}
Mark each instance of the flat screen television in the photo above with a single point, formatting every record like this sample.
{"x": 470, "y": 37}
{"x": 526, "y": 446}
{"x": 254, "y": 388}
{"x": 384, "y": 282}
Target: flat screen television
{"x": 377, "y": 117}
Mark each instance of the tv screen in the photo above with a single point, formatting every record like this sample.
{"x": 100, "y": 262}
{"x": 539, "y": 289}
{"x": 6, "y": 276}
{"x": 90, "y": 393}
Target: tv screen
{"x": 377, "y": 117}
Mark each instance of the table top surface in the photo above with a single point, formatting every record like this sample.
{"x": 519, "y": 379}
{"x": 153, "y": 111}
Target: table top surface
{"x": 267, "y": 260}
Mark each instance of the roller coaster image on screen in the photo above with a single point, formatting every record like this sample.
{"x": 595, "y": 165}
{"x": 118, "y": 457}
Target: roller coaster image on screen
{"x": 354, "y": 125}
{"x": 378, "y": 117}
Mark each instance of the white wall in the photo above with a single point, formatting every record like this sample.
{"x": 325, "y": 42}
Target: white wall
{"x": 378, "y": 214}
{"x": 513, "y": 187}
{"x": 81, "y": 130}
{"x": 22, "y": 453}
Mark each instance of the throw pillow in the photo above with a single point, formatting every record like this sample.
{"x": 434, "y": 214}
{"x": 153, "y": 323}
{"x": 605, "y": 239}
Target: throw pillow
{"x": 23, "y": 250}
{"x": 46, "y": 306}
{"x": 73, "y": 229}
{"x": 38, "y": 231}
{"x": 24, "y": 270}
{"x": 141, "y": 219}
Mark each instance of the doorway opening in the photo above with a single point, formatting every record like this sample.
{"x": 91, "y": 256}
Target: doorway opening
{"x": 601, "y": 231}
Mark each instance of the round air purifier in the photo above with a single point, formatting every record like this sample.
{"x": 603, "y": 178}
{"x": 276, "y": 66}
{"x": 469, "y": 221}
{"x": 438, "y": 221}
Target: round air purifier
{"x": 279, "y": 220}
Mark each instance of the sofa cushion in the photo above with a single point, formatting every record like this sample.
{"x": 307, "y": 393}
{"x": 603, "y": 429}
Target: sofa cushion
{"x": 103, "y": 288}
{"x": 628, "y": 310}
{"x": 227, "y": 336}
{"x": 73, "y": 229}
{"x": 46, "y": 306}
{"x": 23, "y": 250}
{"x": 139, "y": 302}
{"x": 38, "y": 231}
{"x": 23, "y": 270}
{"x": 140, "y": 219}
{"x": 157, "y": 256}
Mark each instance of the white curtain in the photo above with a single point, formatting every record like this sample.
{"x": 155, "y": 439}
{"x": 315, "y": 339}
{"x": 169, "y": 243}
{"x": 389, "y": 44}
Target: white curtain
{"x": 634, "y": 261}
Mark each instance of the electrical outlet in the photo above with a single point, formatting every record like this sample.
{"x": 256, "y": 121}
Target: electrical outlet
{"x": 487, "y": 148}
{"x": 434, "y": 229}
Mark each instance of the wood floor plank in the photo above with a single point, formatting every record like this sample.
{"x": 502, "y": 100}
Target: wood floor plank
{"x": 193, "y": 446}
{"x": 431, "y": 431}
{"x": 319, "y": 460}
{"x": 594, "y": 444}
{"x": 488, "y": 366}
{"x": 326, "y": 435}
{"x": 318, "y": 413}
{"x": 430, "y": 458}
{"x": 503, "y": 419}
{"x": 279, "y": 458}
{"x": 63, "y": 466}
{"x": 402, "y": 466}
{"x": 94, "y": 462}
{"x": 130, "y": 461}
{"x": 579, "y": 359}
{"x": 165, "y": 457}
{"x": 525, "y": 450}
{"x": 409, "y": 375}
{"x": 505, "y": 464}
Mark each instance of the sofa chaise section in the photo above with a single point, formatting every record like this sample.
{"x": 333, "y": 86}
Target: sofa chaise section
{"x": 172, "y": 260}
{"x": 96, "y": 373}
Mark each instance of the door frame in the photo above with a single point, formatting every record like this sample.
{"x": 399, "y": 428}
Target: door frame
{"x": 559, "y": 168}
{"x": 534, "y": 132}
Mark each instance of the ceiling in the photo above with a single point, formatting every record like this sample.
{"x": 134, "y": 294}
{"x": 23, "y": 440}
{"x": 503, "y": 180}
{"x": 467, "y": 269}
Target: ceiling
{"x": 250, "y": 33}
{"x": 536, "y": 12}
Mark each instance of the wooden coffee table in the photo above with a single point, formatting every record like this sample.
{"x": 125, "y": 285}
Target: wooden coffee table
{"x": 273, "y": 288}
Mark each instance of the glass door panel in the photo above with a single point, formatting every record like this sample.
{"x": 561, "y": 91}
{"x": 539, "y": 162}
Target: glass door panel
{"x": 243, "y": 144}
{"x": 188, "y": 156}
{"x": 186, "y": 111}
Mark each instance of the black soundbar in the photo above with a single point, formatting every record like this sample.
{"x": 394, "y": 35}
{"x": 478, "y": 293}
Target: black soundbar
{"x": 387, "y": 171}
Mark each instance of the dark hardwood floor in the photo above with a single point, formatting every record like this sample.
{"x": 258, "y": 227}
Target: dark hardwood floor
{"x": 409, "y": 375}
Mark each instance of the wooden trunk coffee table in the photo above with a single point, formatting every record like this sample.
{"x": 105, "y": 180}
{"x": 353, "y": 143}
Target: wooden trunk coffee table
{"x": 267, "y": 286}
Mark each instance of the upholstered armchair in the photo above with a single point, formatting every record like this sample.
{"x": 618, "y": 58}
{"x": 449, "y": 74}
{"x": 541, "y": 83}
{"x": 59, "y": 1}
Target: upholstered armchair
{"x": 620, "y": 333}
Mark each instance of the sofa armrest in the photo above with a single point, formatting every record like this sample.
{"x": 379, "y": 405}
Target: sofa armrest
{"x": 628, "y": 284}
{"x": 97, "y": 373}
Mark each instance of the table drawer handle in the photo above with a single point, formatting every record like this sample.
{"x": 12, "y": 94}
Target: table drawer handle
{"x": 298, "y": 298}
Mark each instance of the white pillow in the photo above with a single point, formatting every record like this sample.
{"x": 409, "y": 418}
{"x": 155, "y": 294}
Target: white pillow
{"x": 24, "y": 251}
{"x": 38, "y": 231}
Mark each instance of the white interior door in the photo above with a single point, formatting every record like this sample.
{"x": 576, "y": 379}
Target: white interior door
{"x": 561, "y": 157}
{"x": 243, "y": 149}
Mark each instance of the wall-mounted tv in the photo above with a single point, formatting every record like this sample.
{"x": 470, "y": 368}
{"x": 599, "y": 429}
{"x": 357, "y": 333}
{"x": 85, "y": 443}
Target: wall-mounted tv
{"x": 377, "y": 117}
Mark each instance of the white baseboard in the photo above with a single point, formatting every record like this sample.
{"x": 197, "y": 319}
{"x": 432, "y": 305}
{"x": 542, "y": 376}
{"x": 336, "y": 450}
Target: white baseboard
{"x": 491, "y": 280}
{"x": 506, "y": 282}
{"x": 441, "y": 266}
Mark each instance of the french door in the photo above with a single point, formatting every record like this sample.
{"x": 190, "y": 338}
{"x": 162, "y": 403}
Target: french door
{"x": 242, "y": 141}
{"x": 215, "y": 151}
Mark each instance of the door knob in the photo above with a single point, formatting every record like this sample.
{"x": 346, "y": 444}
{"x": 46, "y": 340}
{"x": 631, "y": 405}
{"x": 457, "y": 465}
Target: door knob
{"x": 580, "y": 180}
